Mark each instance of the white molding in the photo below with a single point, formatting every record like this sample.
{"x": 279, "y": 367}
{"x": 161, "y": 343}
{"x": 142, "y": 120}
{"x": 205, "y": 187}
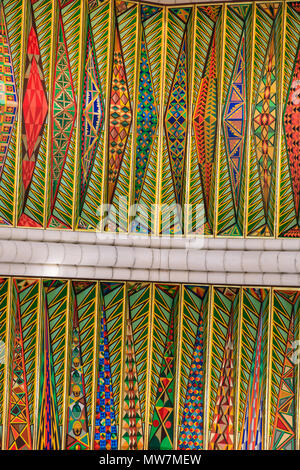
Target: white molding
{"x": 57, "y": 253}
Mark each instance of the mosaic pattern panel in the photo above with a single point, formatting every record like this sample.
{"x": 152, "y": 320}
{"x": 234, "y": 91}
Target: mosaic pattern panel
{"x": 234, "y": 120}
{"x": 147, "y": 119}
{"x": 206, "y": 92}
{"x": 52, "y": 388}
{"x": 289, "y": 188}
{"x": 139, "y": 365}
{"x": 4, "y": 292}
{"x": 175, "y": 122}
{"x": 83, "y": 325}
{"x": 284, "y": 373}
{"x": 163, "y": 367}
{"x": 264, "y": 120}
{"x": 128, "y": 117}
{"x": 253, "y": 368}
{"x": 121, "y": 112}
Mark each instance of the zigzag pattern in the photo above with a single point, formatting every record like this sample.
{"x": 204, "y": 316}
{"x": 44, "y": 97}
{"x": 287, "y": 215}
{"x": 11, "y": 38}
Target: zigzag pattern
{"x": 205, "y": 125}
{"x": 162, "y": 429}
{"x": 56, "y": 298}
{"x": 4, "y": 284}
{"x": 139, "y": 298}
{"x": 191, "y": 397}
{"x": 77, "y": 437}
{"x": 113, "y": 299}
{"x": 288, "y": 226}
{"x": 231, "y": 174}
{"x": 285, "y": 325}
{"x": 222, "y": 364}
{"x": 99, "y": 24}
{"x": 264, "y": 127}
{"x": 62, "y": 211}
{"x": 86, "y": 306}
{"x": 18, "y": 432}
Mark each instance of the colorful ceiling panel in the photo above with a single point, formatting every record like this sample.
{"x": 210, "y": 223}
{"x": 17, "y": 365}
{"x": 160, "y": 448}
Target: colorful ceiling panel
{"x": 127, "y": 117}
{"x": 138, "y": 365}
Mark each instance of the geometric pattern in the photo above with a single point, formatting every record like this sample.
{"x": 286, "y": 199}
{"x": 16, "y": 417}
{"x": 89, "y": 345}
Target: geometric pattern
{"x": 48, "y": 435}
{"x": 264, "y": 123}
{"x": 161, "y": 435}
{"x": 263, "y": 148}
{"x": 221, "y": 434}
{"x": 175, "y": 122}
{"x": 234, "y": 122}
{"x": 232, "y": 143}
{"x": 292, "y": 133}
{"x": 252, "y": 430}
{"x": 132, "y": 428}
{"x": 287, "y": 193}
{"x": 35, "y": 108}
{"x": 147, "y": 120}
{"x": 89, "y": 178}
{"x": 185, "y": 367}
{"x": 136, "y": 371}
{"x": 77, "y": 432}
{"x": 162, "y": 429}
{"x": 120, "y": 117}
{"x": 205, "y": 123}
{"x": 4, "y": 286}
{"x": 284, "y": 425}
{"x": 174, "y": 125}
{"x": 23, "y": 357}
{"x": 92, "y": 115}
{"x": 19, "y": 432}
{"x": 146, "y": 161}
{"x": 105, "y": 426}
{"x": 192, "y": 366}
{"x": 192, "y": 423}
{"x": 63, "y": 112}
{"x": 222, "y": 368}
{"x": 83, "y": 296}
{"x": 8, "y": 93}
{"x": 52, "y": 392}
{"x": 186, "y": 115}
{"x": 252, "y": 367}
{"x": 284, "y": 380}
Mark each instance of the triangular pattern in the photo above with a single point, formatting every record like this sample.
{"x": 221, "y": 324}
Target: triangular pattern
{"x": 222, "y": 432}
{"x": 19, "y": 432}
{"x": 147, "y": 120}
{"x": 48, "y": 429}
{"x": 271, "y": 9}
{"x": 120, "y": 116}
{"x": 35, "y": 109}
{"x": 182, "y": 13}
{"x": 205, "y": 123}
{"x": 234, "y": 122}
{"x": 251, "y": 438}
{"x": 63, "y": 111}
{"x": 284, "y": 436}
{"x": 132, "y": 426}
{"x": 264, "y": 123}
{"x": 211, "y": 11}
{"x": 77, "y": 422}
{"x": 292, "y": 133}
{"x": 105, "y": 425}
{"x": 161, "y": 434}
{"x": 8, "y": 92}
{"x": 191, "y": 430}
{"x": 176, "y": 122}
{"x": 92, "y": 115}
{"x": 148, "y": 10}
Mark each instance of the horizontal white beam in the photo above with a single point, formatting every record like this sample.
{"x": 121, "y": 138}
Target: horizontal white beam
{"x": 57, "y": 253}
